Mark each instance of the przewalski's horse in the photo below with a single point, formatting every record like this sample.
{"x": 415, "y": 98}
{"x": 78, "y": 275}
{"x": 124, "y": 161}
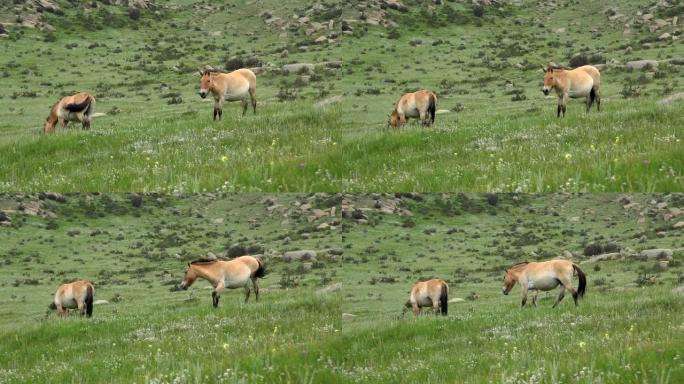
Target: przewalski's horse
{"x": 235, "y": 273}
{"x": 431, "y": 293}
{"x": 545, "y": 276}
{"x": 78, "y": 294}
{"x": 237, "y": 85}
{"x": 421, "y": 104}
{"x": 583, "y": 81}
{"x": 79, "y": 107}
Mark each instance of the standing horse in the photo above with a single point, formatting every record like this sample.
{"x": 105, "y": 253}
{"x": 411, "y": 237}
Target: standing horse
{"x": 431, "y": 293}
{"x": 584, "y": 81}
{"x": 233, "y": 86}
{"x": 79, "y": 107}
{"x": 78, "y": 294}
{"x": 236, "y": 273}
{"x": 421, "y": 104}
{"x": 545, "y": 276}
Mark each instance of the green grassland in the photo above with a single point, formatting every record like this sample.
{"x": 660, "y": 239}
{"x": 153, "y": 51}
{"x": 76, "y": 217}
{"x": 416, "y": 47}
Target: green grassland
{"x": 326, "y": 131}
{"x": 337, "y": 318}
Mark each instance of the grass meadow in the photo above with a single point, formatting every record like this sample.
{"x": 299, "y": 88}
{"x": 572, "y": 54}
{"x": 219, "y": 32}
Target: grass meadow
{"x": 325, "y": 130}
{"x": 337, "y": 317}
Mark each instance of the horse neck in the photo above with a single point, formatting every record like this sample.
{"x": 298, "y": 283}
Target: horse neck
{"x": 560, "y": 78}
{"x": 205, "y": 272}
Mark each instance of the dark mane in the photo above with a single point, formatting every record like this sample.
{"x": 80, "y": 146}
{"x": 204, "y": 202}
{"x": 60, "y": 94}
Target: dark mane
{"x": 519, "y": 264}
{"x": 204, "y": 261}
{"x": 210, "y": 71}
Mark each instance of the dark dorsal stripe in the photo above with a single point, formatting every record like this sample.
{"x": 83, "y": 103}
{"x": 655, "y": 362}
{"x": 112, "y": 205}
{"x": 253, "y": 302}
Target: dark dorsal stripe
{"x": 78, "y": 107}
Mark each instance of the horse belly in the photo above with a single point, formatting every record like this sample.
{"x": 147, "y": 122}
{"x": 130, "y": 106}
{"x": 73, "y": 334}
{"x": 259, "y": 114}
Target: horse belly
{"x": 234, "y": 283}
{"x": 424, "y": 302}
{"x": 545, "y": 283}
{"x": 237, "y": 93}
{"x": 69, "y": 303}
{"x": 581, "y": 90}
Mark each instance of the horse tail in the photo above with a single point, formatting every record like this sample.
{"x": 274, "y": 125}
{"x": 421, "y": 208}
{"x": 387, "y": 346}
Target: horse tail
{"x": 444, "y": 299}
{"x": 592, "y": 95}
{"x": 80, "y": 107}
{"x": 432, "y": 106}
{"x": 89, "y": 300}
{"x": 90, "y": 109}
{"x": 261, "y": 271}
{"x": 582, "y": 280}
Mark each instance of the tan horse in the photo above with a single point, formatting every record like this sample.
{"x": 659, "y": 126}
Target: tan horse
{"x": 233, "y": 86}
{"x": 421, "y": 104}
{"x": 236, "y": 273}
{"x": 584, "y": 81}
{"x": 431, "y": 293}
{"x": 79, "y": 107}
{"x": 545, "y": 276}
{"x": 78, "y": 294}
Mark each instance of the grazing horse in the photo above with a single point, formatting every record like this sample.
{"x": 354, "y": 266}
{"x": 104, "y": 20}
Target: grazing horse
{"x": 431, "y": 293}
{"x": 421, "y": 104}
{"x": 545, "y": 276}
{"x": 79, "y": 107}
{"x": 583, "y": 81}
{"x": 233, "y": 86}
{"x": 78, "y": 294}
{"x": 223, "y": 274}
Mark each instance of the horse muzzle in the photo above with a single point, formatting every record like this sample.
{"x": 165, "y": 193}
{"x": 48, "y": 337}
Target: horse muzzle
{"x": 183, "y": 286}
{"x": 203, "y": 94}
{"x": 545, "y": 91}
{"x": 504, "y": 291}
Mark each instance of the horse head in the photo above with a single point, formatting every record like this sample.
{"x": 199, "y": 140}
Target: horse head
{"x": 509, "y": 282}
{"x": 549, "y": 80}
{"x": 205, "y": 83}
{"x": 189, "y": 278}
{"x": 393, "y": 119}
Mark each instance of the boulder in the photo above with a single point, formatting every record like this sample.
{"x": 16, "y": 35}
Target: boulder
{"x": 330, "y": 288}
{"x": 457, "y": 300}
{"x": 641, "y": 64}
{"x": 48, "y": 6}
{"x": 396, "y": 5}
{"x": 657, "y": 253}
{"x": 664, "y": 36}
{"x": 298, "y": 67}
{"x": 299, "y": 255}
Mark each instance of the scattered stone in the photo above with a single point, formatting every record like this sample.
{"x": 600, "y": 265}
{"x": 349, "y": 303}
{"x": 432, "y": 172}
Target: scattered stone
{"x": 100, "y": 302}
{"x": 658, "y": 253}
{"x": 457, "y": 300}
{"x": 664, "y": 36}
{"x": 325, "y": 102}
{"x": 298, "y": 67}
{"x": 678, "y": 225}
{"x": 641, "y": 64}
{"x": 347, "y": 315}
{"x": 299, "y": 255}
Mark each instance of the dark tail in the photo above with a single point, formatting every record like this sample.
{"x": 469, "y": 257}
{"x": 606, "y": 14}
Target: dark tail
{"x": 582, "y": 280}
{"x": 261, "y": 271}
{"x": 432, "y": 107}
{"x": 89, "y": 301}
{"x": 84, "y": 106}
{"x": 592, "y": 97}
{"x": 444, "y": 299}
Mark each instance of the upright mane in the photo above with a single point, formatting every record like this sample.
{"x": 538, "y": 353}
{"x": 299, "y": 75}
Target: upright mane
{"x": 204, "y": 261}
{"x": 520, "y": 264}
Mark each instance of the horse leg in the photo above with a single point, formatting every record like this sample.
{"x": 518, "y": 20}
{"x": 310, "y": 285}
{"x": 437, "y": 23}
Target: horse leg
{"x": 561, "y": 295}
{"x": 256, "y": 288}
{"x": 81, "y": 307}
{"x": 244, "y": 106}
{"x": 589, "y": 102}
{"x": 534, "y": 298}
{"x": 416, "y": 309}
{"x": 524, "y": 294}
{"x": 565, "y": 103}
{"x": 60, "y": 311}
{"x": 216, "y": 294}
{"x": 559, "y": 107}
{"x": 598, "y": 99}
{"x": 402, "y": 120}
{"x": 247, "y": 292}
{"x": 252, "y": 95}
{"x": 423, "y": 122}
